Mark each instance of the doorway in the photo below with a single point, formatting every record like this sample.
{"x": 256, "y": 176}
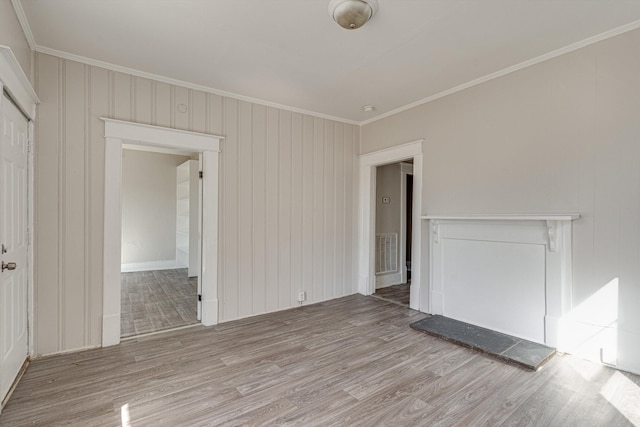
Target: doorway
{"x": 161, "y": 202}
{"x": 367, "y": 219}
{"x": 118, "y": 133}
{"x": 394, "y": 201}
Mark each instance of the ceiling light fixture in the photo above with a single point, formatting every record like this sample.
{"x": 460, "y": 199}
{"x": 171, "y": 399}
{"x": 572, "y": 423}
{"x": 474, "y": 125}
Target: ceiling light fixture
{"x": 368, "y": 108}
{"x": 352, "y": 14}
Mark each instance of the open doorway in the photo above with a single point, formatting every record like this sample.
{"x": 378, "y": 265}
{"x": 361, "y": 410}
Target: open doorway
{"x": 160, "y": 245}
{"x": 393, "y": 227}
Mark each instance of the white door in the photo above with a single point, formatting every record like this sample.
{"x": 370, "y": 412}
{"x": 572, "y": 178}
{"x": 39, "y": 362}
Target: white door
{"x": 13, "y": 237}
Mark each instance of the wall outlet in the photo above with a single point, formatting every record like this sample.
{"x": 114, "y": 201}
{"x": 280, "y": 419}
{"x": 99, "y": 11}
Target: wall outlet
{"x": 302, "y": 295}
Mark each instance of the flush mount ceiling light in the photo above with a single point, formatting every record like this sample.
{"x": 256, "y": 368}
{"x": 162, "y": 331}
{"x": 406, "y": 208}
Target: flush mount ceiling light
{"x": 352, "y": 14}
{"x": 368, "y": 108}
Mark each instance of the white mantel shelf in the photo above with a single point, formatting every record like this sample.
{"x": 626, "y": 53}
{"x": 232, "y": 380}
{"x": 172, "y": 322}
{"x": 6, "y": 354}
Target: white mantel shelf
{"x": 505, "y": 217}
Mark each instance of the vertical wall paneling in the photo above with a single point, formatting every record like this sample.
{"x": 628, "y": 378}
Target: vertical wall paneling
{"x": 99, "y": 107}
{"x": 163, "y": 104}
{"x": 215, "y": 115}
{"x": 296, "y": 206}
{"x": 306, "y": 235}
{"x": 259, "y": 223}
{"x": 62, "y": 237}
{"x": 143, "y": 100}
{"x": 245, "y": 214}
{"x": 180, "y": 108}
{"x": 339, "y": 191}
{"x": 73, "y": 212}
{"x": 231, "y": 213}
{"x": 198, "y": 112}
{"x": 286, "y": 198}
{"x": 121, "y": 95}
{"x": 352, "y": 148}
{"x": 47, "y": 230}
{"x": 271, "y": 215}
{"x": 87, "y": 207}
{"x": 329, "y": 212}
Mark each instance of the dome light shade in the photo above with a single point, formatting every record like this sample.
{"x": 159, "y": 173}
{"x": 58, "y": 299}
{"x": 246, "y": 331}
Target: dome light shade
{"x": 352, "y": 14}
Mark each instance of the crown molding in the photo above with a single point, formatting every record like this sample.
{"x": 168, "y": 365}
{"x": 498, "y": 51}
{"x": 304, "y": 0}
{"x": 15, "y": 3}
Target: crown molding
{"x": 24, "y": 23}
{"x": 185, "y": 84}
{"x": 545, "y": 57}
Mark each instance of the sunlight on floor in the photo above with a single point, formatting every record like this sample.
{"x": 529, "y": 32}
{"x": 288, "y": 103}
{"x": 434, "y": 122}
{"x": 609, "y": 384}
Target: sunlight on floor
{"x": 124, "y": 415}
{"x": 624, "y": 395}
{"x": 591, "y": 329}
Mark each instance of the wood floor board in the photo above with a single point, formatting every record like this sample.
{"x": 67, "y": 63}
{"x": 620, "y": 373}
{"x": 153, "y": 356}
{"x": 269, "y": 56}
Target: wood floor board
{"x": 353, "y": 361}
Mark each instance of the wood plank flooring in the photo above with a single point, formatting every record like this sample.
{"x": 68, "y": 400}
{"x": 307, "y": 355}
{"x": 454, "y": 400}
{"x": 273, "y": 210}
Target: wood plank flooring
{"x": 399, "y": 294}
{"x": 157, "y": 300}
{"x": 353, "y": 361}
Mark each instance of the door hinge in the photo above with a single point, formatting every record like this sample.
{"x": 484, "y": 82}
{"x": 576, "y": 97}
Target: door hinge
{"x": 29, "y": 144}
{"x": 199, "y": 298}
{"x": 28, "y": 236}
{"x": 200, "y": 174}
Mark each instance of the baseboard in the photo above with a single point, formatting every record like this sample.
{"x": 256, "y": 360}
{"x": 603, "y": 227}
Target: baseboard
{"x": 149, "y": 266}
{"x": 390, "y": 279}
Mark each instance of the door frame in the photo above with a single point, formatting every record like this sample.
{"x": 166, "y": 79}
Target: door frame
{"x": 15, "y": 82}
{"x": 117, "y": 133}
{"x": 367, "y": 217}
{"x": 406, "y": 169}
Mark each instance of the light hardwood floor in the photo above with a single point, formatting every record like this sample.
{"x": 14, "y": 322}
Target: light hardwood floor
{"x": 351, "y": 361}
{"x": 156, "y": 300}
{"x": 400, "y": 294}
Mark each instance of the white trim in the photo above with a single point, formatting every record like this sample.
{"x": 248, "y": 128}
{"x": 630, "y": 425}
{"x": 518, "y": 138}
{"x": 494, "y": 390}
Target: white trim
{"x": 26, "y": 28}
{"x": 149, "y": 266}
{"x": 24, "y": 23}
{"x": 366, "y": 218}
{"x": 118, "y": 132}
{"x": 507, "y": 217}
{"x": 13, "y": 79}
{"x": 185, "y": 84}
{"x": 523, "y": 229}
{"x": 17, "y": 83}
{"x": 405, "y": 169}
{"x": 533, "y": 61}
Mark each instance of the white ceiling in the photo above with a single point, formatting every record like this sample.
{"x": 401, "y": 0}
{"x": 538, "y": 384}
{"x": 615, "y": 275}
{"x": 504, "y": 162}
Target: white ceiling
{"x": 291, "y": 53}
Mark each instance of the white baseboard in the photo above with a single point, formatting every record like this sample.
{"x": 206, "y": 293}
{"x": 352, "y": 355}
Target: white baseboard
{"x": 149, "y": 266}
{"x": 389, "y": 279}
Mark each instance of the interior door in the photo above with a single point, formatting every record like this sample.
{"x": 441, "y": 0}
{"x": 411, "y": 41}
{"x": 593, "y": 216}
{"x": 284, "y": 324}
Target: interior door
{"x": 13, "y": 237}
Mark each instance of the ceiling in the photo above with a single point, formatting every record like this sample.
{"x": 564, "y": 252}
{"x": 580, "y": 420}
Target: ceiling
{"x": 290, "y": 52}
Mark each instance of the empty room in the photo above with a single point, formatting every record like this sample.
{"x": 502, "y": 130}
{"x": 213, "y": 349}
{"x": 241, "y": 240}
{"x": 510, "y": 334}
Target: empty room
{"x": 320, "y": 212}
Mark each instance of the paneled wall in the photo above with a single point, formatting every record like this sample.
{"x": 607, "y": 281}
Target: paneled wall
{"x": 287, "y": 185}
{"x": 562, "y": 136}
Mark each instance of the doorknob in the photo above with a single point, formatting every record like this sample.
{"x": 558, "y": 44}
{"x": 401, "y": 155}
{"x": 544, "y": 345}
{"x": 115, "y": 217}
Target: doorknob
{"x": 8, "y": 266}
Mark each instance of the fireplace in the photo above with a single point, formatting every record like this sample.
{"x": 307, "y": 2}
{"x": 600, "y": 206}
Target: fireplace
{"x": 508, "y": 273}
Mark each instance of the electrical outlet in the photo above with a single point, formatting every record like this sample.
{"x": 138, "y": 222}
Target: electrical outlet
{"x": 302, "y": 296}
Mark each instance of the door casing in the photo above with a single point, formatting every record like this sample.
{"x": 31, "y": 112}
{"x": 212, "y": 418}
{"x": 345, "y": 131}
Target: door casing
{"x": 117, "y": 133}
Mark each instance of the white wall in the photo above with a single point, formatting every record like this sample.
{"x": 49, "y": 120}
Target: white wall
{"x": 561, "y": 136}
{"x": 287, "y": 197}
{"x": 388, "y": 215}
{"x": 149, "y": 206}
{"x": 11, "y": 35}
{"x": 388, "y": 184}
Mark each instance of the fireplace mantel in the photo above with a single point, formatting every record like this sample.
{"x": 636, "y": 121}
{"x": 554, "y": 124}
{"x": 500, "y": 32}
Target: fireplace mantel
{"x": 507, "y": 272}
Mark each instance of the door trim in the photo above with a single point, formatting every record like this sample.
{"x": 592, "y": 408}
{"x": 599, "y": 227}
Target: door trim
{"x": 117, "y": 133}
{"x": 366, "y": 220}
{"x": 14, "y": 81}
